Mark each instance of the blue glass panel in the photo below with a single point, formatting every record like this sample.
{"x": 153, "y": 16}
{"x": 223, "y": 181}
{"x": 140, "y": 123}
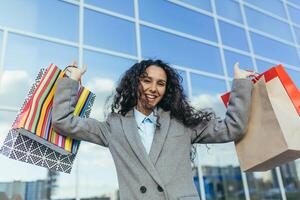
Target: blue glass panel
{"x": 41, "y": 17}
{"x": 263, "y": 66}
{"x": 200, "y": 83}
{"x": 297, "y": 32}
{"x": 231, "y": 58}
{"x": 13, "y": 171}
{"x": 109, "y": 32}
{"x": 1, "y": 41}
{"x": 233, "y": 36}
{"x": 296, "y": 2}
{"x": 180, "y": 51}
{"x": 229, "y": 9}
{"x": 104, "y": 72}
{"x": 295, "y": 76}
{"x": 184, "y": 81}
{"x": 295, "y": 14}
{"x": 268, "y": 24}
{"x": 206, "y": 92}
{"x": 121, "y": 6}
{"x": 275, "y": 50}
{"x": 178, "y": 18}
{"x": 203, "y": 4}
{"x": 24, "y": 58}
{"x": 274, "y": 6}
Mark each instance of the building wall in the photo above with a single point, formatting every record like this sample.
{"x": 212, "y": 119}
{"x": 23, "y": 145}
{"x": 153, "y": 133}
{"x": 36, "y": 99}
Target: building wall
{"x": 202, "y": 39}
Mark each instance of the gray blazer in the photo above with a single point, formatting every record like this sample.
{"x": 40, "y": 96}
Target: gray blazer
{"x": 166, "y": 173}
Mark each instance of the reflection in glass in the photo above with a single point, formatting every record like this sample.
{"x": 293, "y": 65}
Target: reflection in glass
{"x": 102, "y": 76}
{"x": 228, "y": 32}
{"x": 268, "y": 24}
{"x": 41, "y": 17}
{"x": 32, "y": 55}
{"x": 263, "y": 185}
{"x": 263, "y": 66}
{"x": 291, "y": 180}
{"x": 281, "y": 52}
{"x": 297, "y": 32}
{"x": 295, "y": 14}
{"x": 221, "y": 172}
{"x": 203, "y": 4}
{"x": 296, "y": 2}
{"x": 1, "y": 41}
{"x": 295, "y": 76}
{"x": 180, "y": 51}
{"x": 277, "y": 7}
{"x": 206, "y": 92}
{"x": 184, "y": 81}
{"x": 232, "y": 57}
{"x": 179, "y": 18}
{"x": 17, "y": 176}
{"x": 229, "y": 9}
{"x": 109, "y": 32}
{"x": 121, "y": 6}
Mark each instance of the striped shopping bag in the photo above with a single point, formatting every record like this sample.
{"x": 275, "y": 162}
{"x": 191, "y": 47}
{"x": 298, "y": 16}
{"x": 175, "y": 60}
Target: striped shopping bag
{"x": 32, "y": 138}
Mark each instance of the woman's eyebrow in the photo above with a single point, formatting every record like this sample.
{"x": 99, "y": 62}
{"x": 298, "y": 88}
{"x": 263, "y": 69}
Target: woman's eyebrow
{"x": 157, "y": 79}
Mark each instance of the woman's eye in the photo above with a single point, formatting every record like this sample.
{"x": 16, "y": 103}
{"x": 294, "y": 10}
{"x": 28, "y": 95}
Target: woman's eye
{"x": 146, "y": 81}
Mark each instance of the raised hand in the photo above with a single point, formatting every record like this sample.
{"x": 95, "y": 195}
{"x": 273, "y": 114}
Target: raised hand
{"x": 76, "y": 72}
{"x": 239, "y": 73}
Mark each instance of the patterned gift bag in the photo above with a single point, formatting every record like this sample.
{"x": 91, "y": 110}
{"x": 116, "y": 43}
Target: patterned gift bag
{"x": 32, "y": 138}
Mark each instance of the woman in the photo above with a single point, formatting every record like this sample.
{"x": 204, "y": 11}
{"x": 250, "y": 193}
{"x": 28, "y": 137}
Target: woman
{"x": 151, "y": 128}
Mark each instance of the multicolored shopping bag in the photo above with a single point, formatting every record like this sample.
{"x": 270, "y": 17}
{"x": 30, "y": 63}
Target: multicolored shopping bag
{"x": 32, "y": 138}
{"x": 272, "y": 137}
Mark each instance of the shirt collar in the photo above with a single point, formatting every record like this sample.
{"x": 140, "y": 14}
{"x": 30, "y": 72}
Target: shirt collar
{"x": 140, "y": 117}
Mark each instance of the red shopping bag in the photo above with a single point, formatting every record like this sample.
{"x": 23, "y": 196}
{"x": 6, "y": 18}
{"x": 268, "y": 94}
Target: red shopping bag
{"x": 288, "y": 84}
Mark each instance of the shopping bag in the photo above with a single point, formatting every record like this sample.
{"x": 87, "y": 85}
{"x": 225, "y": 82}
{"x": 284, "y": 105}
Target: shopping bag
{"x": 273, "y": 134}
{"x": 32, "y": 138}
{"x": 289, "y": 86}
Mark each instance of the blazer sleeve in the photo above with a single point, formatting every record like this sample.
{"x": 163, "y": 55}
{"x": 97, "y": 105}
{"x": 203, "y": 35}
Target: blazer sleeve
{"x": 64, "y": 121}
{"x": 234, "y": 125}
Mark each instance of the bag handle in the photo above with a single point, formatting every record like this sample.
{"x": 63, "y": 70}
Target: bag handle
{"x": 254, "y": 77}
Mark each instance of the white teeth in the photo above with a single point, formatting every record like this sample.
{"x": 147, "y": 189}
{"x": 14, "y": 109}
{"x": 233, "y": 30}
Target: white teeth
{"x": 150, "y": 96}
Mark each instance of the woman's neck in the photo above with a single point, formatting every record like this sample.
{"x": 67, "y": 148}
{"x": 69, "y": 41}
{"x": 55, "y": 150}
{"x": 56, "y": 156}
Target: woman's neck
{"x": 143, "y": 110}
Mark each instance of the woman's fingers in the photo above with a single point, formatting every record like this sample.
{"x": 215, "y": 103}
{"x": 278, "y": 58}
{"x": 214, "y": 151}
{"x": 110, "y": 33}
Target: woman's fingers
{"x": 84, "y": 68}
{"x": 74, "y": 63}
{"x": 239, "y": 73}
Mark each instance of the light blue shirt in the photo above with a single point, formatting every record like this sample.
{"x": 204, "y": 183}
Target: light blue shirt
{"x": 146, "y": 127}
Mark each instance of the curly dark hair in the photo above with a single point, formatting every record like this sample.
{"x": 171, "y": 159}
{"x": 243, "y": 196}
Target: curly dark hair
{"x": 174, "y": 99}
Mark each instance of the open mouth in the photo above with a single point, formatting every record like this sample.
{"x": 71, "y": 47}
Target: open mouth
{"x": 150, "y": 97}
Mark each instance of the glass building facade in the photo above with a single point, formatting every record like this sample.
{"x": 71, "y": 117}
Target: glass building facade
{"x": 202, "y": 39}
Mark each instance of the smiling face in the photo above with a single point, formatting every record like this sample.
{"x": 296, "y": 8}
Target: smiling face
{"x": 152, "y": 88}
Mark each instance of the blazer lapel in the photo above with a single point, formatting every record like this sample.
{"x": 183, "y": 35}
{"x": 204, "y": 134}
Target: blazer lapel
{"x": 160, "y": 135}
{"x": 131, "y": 133}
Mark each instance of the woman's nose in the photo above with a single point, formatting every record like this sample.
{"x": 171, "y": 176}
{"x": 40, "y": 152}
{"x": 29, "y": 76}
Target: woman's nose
{"x": 153, "y": 88}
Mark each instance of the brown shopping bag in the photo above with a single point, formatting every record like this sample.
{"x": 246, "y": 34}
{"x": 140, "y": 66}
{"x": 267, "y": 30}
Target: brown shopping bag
{"x": 273, "y": 134}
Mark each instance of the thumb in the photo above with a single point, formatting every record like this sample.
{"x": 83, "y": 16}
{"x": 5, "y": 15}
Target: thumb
{"x": 236, "y": 67}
